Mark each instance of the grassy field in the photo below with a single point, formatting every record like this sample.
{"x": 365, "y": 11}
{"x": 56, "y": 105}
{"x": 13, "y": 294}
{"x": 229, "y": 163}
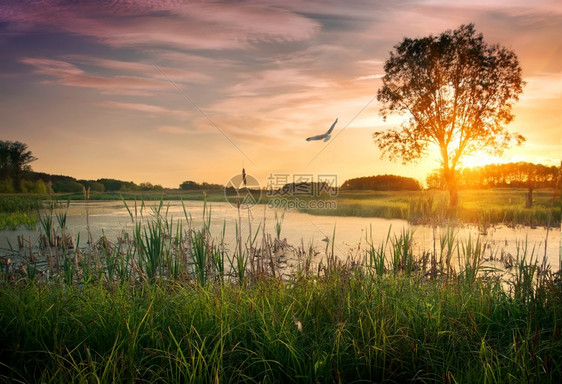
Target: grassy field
{"x": 481, "y": 207}
{"x": 487, "y": 206}
{"x": 347, "y": 327}
{"x": 175, "y": 304}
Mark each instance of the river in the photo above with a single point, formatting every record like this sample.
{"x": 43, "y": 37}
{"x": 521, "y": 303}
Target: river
{"x": 111, "y": 218}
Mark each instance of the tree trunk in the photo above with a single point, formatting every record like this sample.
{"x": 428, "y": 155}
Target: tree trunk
{"x": 453, "y": 196}
{"x": 17, "y": 180}
{"x": 451, "y": 181}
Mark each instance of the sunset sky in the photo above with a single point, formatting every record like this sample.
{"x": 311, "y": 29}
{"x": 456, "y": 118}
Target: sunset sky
{"x": 168, "y": 90}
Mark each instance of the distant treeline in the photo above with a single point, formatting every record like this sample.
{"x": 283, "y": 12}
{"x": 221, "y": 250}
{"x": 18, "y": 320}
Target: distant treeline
{"x": 193, "y": 186}
{"x": 40, "y": 183}
{"x": 382, "y": 183}
{"x": 517, "y": 175}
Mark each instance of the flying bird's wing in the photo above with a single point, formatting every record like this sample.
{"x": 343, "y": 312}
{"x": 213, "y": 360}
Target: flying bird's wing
{"x": 317, "y": 137}
{"x": 324, "y": 136}
{"x": 332, "y": 127}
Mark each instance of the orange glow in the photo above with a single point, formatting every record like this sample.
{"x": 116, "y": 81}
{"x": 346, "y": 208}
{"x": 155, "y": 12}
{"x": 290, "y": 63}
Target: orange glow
{"x": 480, "y": 159}
{"x": 165, "y": 92}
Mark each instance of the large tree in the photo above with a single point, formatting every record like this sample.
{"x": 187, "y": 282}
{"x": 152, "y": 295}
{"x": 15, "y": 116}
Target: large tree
{"x": 455, "y": 93}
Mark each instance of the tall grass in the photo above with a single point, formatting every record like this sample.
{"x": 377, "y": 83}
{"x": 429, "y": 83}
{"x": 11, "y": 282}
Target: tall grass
{"x": 319, "y": 330}
{"x": 173, "y": 303}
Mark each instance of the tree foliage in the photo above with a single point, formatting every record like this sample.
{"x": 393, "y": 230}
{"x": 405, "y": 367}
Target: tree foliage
{"x": 382, "y": 183}
{"x": 455, "y": 93}
{"x": 14, "y": 160}
{"x": 190, "y": 185}
{"x": 517, "y": 175}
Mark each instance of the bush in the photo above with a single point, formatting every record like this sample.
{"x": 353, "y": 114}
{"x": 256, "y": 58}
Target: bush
{"x": 6, "y": 186}
{"x": 67, "y": 186}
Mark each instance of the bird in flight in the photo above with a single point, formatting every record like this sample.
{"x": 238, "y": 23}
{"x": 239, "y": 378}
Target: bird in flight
{"x": 324, "y": 136}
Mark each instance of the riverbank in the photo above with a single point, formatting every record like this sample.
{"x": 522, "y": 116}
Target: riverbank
{"x": 483, "y": 207}
{"x": 477, "y": 207}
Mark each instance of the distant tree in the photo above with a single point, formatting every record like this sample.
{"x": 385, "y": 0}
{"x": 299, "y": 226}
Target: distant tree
{"x": 146, "y": 186}
{"x": 189, "y": 185}
{"x": 456, "y": 92}
{"x": 14, "y": 159}
{"x": 517, "y": 175}
{"x": 26, "y": 186}
{"x": 93, "y": 185}
{"x": 382, "y": 183}
{"x": 67, "y": 186}
{"x": 435, "y": 180}
{"x": 211, "y": 187}
{"x": 96, "y": 187}
{"x": 6, "y": 186}
{"x": 114, "y": 185}
{"x": 40, "y": 187}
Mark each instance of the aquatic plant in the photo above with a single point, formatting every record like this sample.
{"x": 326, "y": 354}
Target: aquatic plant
{"x": 172, "y": 303}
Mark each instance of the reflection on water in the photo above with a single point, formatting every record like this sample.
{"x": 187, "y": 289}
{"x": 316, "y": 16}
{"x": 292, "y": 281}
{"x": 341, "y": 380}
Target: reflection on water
{"x": 112, "y": 219}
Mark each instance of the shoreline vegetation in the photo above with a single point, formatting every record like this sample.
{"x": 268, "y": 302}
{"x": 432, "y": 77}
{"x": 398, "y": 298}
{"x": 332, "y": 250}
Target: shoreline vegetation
{"x": 171, "y": 302}
{"x": 481, "y": 207}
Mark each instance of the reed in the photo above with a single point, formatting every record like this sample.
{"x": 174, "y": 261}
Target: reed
{"x": 171, "y": 303}
{"x": 279, "y": 224}
{"x": 323, "y": 330}
{"x": 376, "y": 255}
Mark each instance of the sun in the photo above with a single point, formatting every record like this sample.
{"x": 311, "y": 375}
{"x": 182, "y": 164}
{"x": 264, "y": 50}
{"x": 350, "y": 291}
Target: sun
{"x": 480, "y": 159}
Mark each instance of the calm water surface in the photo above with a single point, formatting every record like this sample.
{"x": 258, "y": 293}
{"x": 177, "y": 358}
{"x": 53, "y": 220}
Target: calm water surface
{"x": 351, "y": 233}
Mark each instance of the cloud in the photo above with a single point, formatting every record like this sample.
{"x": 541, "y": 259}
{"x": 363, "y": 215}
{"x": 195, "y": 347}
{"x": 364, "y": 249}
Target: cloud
{"x": 267, "y": 73}
{"x": 110, "y": 76}
{"x": 65, "y": 73}
{"x": 56, "y": 68}
{"x": 144, "y": 69}
{"x": 174, "y": 130}
{"x": 193, "y": 25}
{"x": 150, "y": 110}
{"x": 275, "y": 81}
{"x": 543, "y": 86}
{"x": 370, "y": 77}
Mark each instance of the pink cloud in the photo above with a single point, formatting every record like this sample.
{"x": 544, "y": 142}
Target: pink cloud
{"x": 143, "y": 69}
{"x": 52, "y": 67}
{"x": 148, "y": 81}
{"x": 543, "y": 86}
{"x": 149, "y": 109}
{"x": 193, "y": 25}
